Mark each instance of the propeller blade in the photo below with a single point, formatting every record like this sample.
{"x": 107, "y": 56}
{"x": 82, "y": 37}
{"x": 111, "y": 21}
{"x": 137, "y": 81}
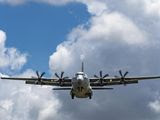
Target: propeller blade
{"x": 62, "y": 73}
{"x": 100, "y": 73}
{"x": 126, "y": 74}
{"x": 39, "y": 77}
{"x": 61, "y": 78}
{"x": 42, "y": 74}
{"x": 96, "y": 76}
{"x": 120, "y": 72}
{"x": 122, "y": 77}
{"x": 37, "y": 74}
{"x": 101, "y": 77}
{"x": 106, "y": 75}
{"x": 57, "y": 75}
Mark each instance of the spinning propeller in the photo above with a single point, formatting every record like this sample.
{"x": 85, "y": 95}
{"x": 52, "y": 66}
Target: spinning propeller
{"x": 60, "y": 77}
{"x": 39, "y": 77}
{"x": 101, "y": 77}
{"x": 123, "y": 76}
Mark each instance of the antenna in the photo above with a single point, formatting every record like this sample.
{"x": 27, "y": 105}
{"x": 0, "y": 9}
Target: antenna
{"x": 82, "y": 67}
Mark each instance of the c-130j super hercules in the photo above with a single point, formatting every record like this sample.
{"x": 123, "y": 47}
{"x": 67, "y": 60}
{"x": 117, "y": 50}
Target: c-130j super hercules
{"x": 80, "y": 85}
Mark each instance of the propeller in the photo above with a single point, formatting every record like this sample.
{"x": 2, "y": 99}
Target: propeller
{"x": 122, "y": 76}
{"x": 101, "y": 77}
{"x": 60, "y": 77}
{"x": 39, "y": 77}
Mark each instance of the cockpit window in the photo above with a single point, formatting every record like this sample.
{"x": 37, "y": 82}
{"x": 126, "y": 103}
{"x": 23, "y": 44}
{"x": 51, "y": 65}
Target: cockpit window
{"x": 79, "y": 74}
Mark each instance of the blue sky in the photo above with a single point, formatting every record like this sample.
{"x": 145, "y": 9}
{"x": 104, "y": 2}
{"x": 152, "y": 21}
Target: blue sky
{"x": 38, "y": 28}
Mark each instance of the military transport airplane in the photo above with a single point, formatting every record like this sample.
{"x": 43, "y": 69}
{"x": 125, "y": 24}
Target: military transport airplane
{"x": 80, "y": 85}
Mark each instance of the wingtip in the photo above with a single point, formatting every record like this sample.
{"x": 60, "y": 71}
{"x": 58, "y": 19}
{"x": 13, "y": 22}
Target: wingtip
{"x": 2, "y": 75}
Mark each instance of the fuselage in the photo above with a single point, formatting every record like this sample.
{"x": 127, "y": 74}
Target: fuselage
{"x": 81, "y": 86}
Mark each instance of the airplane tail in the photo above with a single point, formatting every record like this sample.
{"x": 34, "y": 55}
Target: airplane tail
{"x": 82, "y": 69}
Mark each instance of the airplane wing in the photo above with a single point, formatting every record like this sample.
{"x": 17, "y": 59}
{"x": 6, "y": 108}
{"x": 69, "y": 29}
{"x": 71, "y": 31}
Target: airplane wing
{"x": 42, "y": 81}
{"x": 132, "y": 78}
{"x": 28, "y": 79}
{"x": 119, "y": 80}
{"x": 139, "y": 78}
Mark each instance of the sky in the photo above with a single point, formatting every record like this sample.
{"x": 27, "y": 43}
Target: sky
{"x": 32, "y": 28}
{"x": 54, "y": 36}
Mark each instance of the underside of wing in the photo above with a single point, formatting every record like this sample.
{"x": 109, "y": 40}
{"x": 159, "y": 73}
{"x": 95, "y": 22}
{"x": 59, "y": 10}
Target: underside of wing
{"x": 61, "y": 88}
{"x": 50, "y": 83}
{"x": 101, "y": 88}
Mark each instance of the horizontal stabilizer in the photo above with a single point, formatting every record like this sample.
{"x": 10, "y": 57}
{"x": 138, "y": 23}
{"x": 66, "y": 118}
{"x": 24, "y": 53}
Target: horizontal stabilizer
{"x": 96, "y": 88}
{"x": 61, "y": 89}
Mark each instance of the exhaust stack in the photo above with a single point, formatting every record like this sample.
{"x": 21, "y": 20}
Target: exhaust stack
{"x": 82, "y": 67}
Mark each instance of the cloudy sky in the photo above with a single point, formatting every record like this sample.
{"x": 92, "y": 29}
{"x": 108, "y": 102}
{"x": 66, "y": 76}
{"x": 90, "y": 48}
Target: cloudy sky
{"x": 54, "y": 35}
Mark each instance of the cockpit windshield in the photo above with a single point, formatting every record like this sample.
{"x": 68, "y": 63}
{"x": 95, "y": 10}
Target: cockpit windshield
{"x": 79, "y": 73}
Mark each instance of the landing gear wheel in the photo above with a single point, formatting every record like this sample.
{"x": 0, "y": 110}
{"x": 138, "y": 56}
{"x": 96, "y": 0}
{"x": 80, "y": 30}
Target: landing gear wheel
{"x": 90, "y": 96}
{"x": 72, "y": 96}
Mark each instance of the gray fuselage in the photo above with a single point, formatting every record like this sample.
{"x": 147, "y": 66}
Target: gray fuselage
{"x": 81, "y": 86}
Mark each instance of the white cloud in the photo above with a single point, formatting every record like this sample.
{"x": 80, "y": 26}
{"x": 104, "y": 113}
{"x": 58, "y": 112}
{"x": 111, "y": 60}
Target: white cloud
{"x": 152, "y": 7}
{"x": 119, "y": 37}
{"x": 6, "y": 104}
{"x": 95, "y": 7}
{"x": 63, "y": 53}
{"x": 55, "y": 2}
{"x": 52, "y": 2}
{"x": 23, "y": 102}
{"x": 155, "y": 106}
{"x": 12, "y": 2}
{"x": 10, "y": 57}
{"x": 2, "y": 39}
{"x": 109, "y": 29}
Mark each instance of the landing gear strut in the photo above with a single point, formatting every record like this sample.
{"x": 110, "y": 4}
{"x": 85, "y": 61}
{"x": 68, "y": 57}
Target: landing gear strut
{"x": 90, "y": 96}
{"x": 72, "y": 95}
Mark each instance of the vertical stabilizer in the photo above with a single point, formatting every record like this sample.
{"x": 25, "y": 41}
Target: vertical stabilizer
{"x": 82, "y": 67}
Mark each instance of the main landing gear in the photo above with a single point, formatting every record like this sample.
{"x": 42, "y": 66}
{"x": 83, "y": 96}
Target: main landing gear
{"x": 90, "y": 95}
{"x": 72, "y": 96}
